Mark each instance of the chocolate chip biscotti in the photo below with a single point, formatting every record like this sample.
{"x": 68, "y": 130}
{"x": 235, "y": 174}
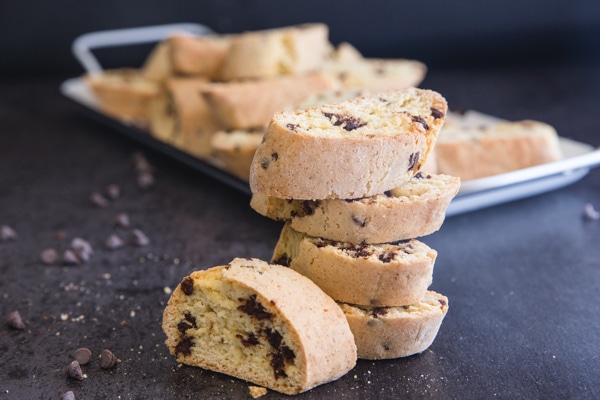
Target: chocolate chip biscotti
{"x": 387, "y": 274}
{"x": 392, "y": 332}
{"x": 415, "y": 209}
{"x": 262, "y": 323}
{"x": 352, "y": 149}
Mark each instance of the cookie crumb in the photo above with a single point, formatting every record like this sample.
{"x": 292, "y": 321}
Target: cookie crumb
{"x": 590, "y": 213}
{"x": 257, "y": 391}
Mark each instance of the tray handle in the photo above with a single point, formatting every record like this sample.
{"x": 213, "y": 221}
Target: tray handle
{"x": 83, "y": 45}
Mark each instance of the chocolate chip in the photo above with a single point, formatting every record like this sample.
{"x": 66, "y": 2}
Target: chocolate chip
{"x": 49, "y": 256}
{"x": 139, "y": 238}
{"x": 292, "y": 127}
{"x": 278, "y": 365}
{"x": 122, "y": 220}
{"x": 254, "y": 308}
{"x": 435, "y": 113}
{"x": 274, "y": 337}
{"x": 442, "y": 302}
{"x": 187, "y": 285}
{"x": 250, "y": 340}
{"x": 421, "y": 175}
{"x": 274, "y": 156}
{"x": 108, "y": 359}
{"x": 387, "y": 257}
{"x": 288, "y": 353}
{"x": 82, "y": 249}
{"x": 114, "y": 242}
{"x": 113, "y": 191}
{"x": 347, "y": 122}
{"x": 145, "y": 180}
{"x": 378, "y": 311}
{"x": 413, "y": 159}
{"x": 73, "y": 370}
{"x": 15, "y": 321}
{"x": 388, "y": 193}
{"x": 359, "y": 221}
{"x": 141, "y": 164}
{"x": 184, "y": 347}
{"x": 421, "y": 121}
{"x": 70, "y": 258}
{"x": 283, "y": 260}
{"x": 264, "y": 163}
{"x": 7, "y": 233}
{"x": 83, "y": 355}
{"x": 98, "y": 200}
{"x": 67, "y": 396}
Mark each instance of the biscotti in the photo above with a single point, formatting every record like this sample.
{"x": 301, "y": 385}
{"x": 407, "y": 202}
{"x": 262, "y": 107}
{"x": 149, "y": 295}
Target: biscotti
{"x": 387, "y": 274}
{"x": 235, "y": 150}
{"x": 292, "y": 50}
{"x": 199, "y": 55}
{"x": 473, "y": 151}
{"x": 415, "y": 209}
{"x": 392, "y": 332}
{"x": 262, "y": 323}
{"x": 158, "y": 66}
{"x": 353, "y": 149}
{"x": 123, "y": 94}
{"x": 251, "y": 104}
{"x": 183, "y": 118}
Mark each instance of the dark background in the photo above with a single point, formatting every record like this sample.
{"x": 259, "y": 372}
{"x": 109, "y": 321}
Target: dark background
{"x": 35, "y": 36}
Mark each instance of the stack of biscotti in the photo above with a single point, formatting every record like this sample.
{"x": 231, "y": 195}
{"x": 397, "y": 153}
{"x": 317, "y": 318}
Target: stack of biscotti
{"x": 346, "y": 180}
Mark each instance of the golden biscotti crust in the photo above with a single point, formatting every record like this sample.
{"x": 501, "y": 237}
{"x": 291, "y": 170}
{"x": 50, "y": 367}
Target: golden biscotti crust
{"x": 352, "y": 149}
{"x": 262, "y": 323}
{"x": 392, "y": 332}
{"x": 415, "y": 209}
{"x": 388, "y": 274}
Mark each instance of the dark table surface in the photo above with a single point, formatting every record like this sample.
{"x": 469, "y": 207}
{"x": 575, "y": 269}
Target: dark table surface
{"x": 522, "y": 278}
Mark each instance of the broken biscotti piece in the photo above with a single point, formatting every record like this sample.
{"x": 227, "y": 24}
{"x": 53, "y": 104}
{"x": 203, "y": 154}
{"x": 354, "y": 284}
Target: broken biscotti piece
{"x": 387, "y": 274}
{"x": 476, "y": 150}
{"x": 263, "y": 323}
{"x": 352, "y": 149}
{"x": 392, "y": 332}
{"x": 415, "y": 209}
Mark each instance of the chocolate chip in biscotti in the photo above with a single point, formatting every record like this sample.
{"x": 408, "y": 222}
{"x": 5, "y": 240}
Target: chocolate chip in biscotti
{"x": 359, "y": 221}
{"x": 292, "y": 127}
{"x": 376, "y": 312}
{"x": 187, "y": 285}
{"x": 249, "y": 340}
{"x": 284, "y": 260}
{"x": 348, "y": 122}
{"x": 413, "y": 159}
{"x": 435, "y": 113}
{"x": 254, "y": 308}
{"x": 188, "y": 322}
{"x": 421, "y": 121}
{"x": 387, "y": 257}
{"x": 185, "y": 346}
{"x": 14, "y": 320}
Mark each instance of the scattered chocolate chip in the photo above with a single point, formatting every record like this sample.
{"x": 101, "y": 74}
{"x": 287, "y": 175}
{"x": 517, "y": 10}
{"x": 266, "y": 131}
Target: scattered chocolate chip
{"x": 73, "y": 370}
{"x": 67, "y": 396}
{"x": 590, "y": 213}
{"x": 435, "y": 113}
{"x": 187, "y": 285}
{"x": 113, "y": 191}
{"x": 98, "y": 200}
{"x": 108, "y": 359}
{"x": 140, "y": 238}
{"x": 82, "y": 248}
{"x": 141, "y": 164}
{"x": 421, "y": 121}
{"x": 83, "y": 355}
{"x": 7, "y": 233}
{"x": 145, "y": 180}
{"x": 70, "y": 258}
{"x": 122, "y": 220}
{"x": 15, "y": 321}
{"x": 49, "y": 256}
{"x": 114, "y": 242}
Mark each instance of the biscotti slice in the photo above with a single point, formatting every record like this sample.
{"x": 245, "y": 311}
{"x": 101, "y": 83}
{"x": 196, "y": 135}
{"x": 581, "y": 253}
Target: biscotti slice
{"x": 158, "y": 66}
{"x": 199, "y": 55}
{"x": 269, "y": 53}
{"x": 393, "y": 332}
{"x": 262, "y": 323}
{"x": 352, "y": 149}
{"x": 377, "y": 75}
{"x": 473, "y": 151}
{"x": 235, "y": 150}
{"x": 387, "y": 274}
{"x": 183, "y": 118}
{"x": 251, "y": 104}
{"x": 123, "y": 94}
{"x": 415, "y": 209}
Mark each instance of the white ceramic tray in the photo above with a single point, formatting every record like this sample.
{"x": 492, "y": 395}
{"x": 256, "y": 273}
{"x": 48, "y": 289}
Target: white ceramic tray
{"x": 578, "y": 159}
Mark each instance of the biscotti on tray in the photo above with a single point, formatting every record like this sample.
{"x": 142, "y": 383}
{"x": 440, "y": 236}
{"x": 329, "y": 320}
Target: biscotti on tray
{"x": 353, "y": 149}
{"x": 262, "y": 323}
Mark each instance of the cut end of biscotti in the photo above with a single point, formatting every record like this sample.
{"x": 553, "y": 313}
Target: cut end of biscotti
{"x": 262, "y": 323}
{"x": 393, "y": 332}
{"x": 352, "y": 149}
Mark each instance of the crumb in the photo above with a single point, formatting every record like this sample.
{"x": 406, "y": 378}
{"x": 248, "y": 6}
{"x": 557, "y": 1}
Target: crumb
{"x": 257, "y": 391}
